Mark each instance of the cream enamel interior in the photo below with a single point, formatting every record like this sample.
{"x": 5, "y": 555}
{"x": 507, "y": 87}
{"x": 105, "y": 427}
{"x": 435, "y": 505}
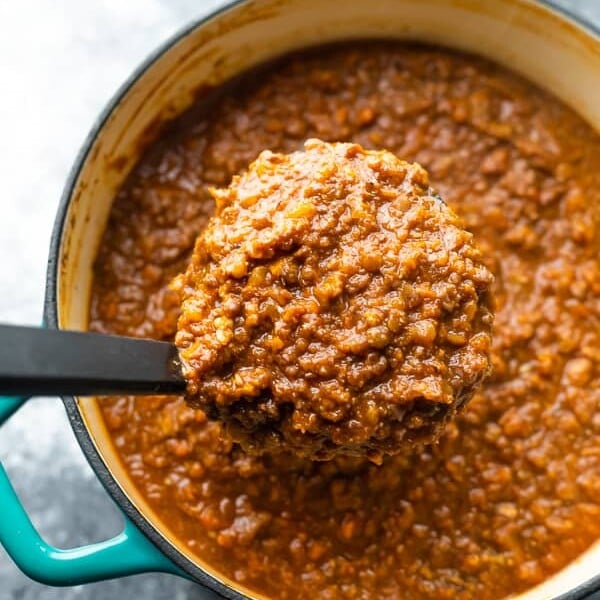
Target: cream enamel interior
{"x": 541, "y": 44}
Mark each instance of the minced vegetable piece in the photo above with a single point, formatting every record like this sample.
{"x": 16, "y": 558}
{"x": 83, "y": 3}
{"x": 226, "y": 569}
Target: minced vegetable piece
{"x": 333, "y": 305}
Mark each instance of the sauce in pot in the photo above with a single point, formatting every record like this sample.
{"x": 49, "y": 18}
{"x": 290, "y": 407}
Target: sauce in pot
{"x": 511, "y": 493}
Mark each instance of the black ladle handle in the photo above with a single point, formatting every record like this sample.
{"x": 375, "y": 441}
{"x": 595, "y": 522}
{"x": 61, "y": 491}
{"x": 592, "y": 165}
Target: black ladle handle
{"x": 44, "y": 362}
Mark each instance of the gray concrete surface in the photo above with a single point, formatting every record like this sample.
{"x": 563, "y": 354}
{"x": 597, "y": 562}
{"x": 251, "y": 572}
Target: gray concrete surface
{"x": 60, "y": 61}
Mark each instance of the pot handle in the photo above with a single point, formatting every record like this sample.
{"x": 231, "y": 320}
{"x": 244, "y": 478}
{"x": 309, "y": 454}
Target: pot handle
{"x": 127, "y": 553}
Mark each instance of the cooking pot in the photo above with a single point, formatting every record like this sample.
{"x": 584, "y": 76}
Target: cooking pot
{"x": 546, "y": 46}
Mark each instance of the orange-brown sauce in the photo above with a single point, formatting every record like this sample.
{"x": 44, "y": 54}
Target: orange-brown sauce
{"x": 512, "y": 492}
{"x": 333, "y": 305}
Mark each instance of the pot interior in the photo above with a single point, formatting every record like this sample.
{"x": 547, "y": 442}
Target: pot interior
{"x": 543, "y": 45}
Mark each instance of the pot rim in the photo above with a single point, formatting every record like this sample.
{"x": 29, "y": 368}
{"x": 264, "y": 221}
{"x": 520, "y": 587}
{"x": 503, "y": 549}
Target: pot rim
{"x": 50, "y": 310}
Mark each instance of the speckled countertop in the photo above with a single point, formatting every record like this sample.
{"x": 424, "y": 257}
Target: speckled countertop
{"x": 60, "y": 62}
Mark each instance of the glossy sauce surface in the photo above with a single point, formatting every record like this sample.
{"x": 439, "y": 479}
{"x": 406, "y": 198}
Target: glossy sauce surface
{"x": 512, "y": 492}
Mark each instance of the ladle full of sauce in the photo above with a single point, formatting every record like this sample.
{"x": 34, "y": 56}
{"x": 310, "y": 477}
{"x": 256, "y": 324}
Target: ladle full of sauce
{"x": 334, "y": 305}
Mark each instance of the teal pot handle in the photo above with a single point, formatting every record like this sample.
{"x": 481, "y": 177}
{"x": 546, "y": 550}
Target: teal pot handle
{"x": 127, "y": 553}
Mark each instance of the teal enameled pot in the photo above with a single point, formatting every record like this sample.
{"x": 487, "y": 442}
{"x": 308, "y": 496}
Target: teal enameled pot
{"x": 545, "y": 45}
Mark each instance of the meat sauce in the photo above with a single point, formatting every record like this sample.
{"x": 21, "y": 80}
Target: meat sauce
{"x": 511, "y": 493}
{"x": 333, "y": 305}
